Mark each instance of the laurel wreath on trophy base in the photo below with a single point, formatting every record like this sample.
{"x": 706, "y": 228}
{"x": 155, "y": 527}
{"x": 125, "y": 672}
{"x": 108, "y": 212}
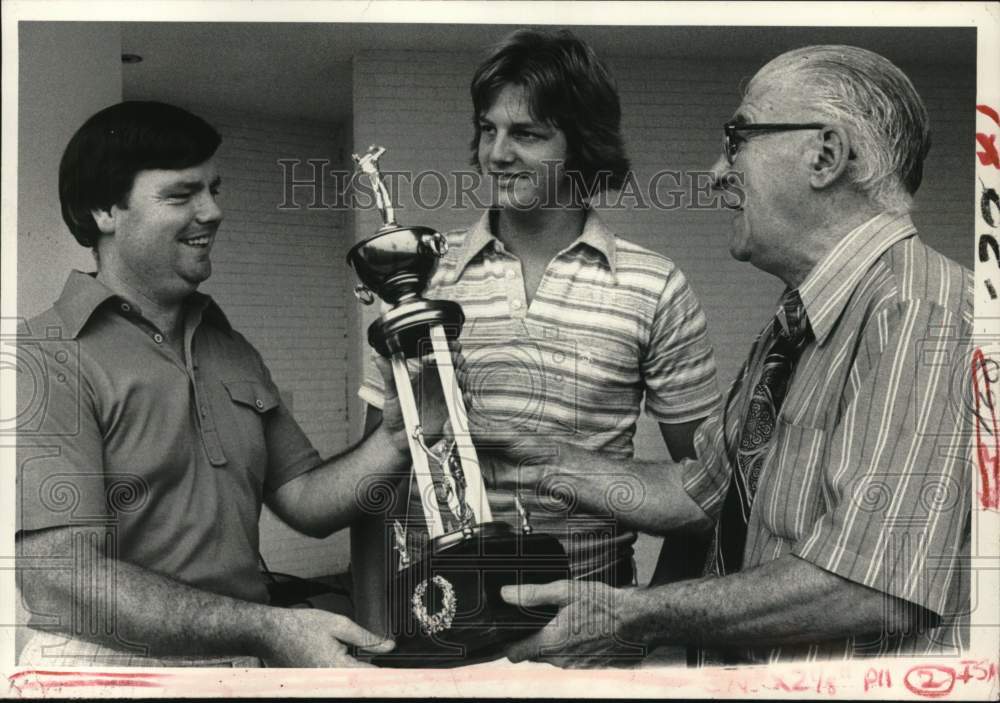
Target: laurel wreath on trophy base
{"x": 441, "y": 620}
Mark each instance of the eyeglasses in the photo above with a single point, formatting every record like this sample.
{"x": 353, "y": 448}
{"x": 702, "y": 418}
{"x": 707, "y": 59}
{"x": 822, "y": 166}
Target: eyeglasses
{"x": 732, "y": 129}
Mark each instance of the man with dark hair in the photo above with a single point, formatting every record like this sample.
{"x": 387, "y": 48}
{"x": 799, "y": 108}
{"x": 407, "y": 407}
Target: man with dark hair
{"x": 838, "y": 472}
{"x": 568, "y": 326}
{"x": 99, "y": 164}
{"x": 141, "y": 483}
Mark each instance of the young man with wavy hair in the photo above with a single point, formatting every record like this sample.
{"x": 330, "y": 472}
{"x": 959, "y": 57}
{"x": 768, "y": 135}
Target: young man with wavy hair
{"x": 568, "y": 325}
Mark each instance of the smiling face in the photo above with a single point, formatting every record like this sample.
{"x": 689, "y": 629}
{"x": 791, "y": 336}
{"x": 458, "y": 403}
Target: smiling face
{"x": 159, "y": 245}
{"x": 523, "y": 158}
{"x": 772, "y": 171}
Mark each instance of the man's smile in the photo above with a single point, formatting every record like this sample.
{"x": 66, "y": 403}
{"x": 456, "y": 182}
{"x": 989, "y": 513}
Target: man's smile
{"x": 200, "y": 241}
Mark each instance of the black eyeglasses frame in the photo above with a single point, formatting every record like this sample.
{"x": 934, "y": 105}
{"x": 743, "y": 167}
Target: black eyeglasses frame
{"x": 731, "y": 129}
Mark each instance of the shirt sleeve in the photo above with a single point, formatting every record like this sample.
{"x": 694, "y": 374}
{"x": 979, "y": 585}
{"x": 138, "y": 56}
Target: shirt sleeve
{"x": 897, "y": 481}
{"x": 289, "y": 451}
{"x": 706, "y": 478}
{"x": 678, "y": 366}
{"x": 60, "y": 465}
{"x": 372, "y": 389}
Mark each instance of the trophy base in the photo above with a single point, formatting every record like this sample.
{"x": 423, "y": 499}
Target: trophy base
{"x": 407, "y": 326}
{"x": 446, "y": 609}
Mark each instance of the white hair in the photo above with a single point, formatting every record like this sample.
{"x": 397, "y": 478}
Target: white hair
{"x": 877, "y": 104}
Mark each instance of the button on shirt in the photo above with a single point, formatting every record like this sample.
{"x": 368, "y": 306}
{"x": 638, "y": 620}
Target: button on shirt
{"x": 868, "y": 475}
{"x": 611, "y": 323}
{"x": 175, "y": 456}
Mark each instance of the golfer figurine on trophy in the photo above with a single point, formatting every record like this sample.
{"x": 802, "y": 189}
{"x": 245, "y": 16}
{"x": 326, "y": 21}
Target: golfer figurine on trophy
{"x": 444, "y": 608}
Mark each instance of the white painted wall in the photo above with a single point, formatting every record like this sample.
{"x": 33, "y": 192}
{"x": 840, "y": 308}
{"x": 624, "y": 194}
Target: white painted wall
{"x": 66, "y": 73}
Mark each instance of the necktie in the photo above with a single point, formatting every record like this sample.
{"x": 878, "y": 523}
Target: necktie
{"x": 757, "y": 429}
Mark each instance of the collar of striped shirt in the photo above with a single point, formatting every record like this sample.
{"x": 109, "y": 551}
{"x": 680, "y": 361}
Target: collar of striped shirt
{"x": 595, "y": 235}
{"x": 830, "y": 284}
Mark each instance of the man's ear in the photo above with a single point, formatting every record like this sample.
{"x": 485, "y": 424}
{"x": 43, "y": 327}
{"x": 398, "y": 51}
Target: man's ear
{"x": 104, "y": 219}
{"x": 830, "y": 160}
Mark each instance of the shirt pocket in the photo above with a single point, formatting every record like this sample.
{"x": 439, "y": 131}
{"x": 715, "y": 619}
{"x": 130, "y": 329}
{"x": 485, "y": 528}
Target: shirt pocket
{"x": 251, "y": 401}
{"x": 608, "y": 379}
{"x": 790, "y": 495}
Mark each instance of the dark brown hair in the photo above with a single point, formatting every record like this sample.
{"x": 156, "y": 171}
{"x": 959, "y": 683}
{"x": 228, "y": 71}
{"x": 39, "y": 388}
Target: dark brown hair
{"x": 568, "y": 87}
{"x": 101, "y": 161}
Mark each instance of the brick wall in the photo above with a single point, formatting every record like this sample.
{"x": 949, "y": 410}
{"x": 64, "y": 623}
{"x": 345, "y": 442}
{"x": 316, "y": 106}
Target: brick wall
{"x": 279, "y": 274}
{"x": 416, "y": 104}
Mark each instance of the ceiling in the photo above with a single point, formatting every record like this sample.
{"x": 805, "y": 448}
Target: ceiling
{"x": 296, "y": 69}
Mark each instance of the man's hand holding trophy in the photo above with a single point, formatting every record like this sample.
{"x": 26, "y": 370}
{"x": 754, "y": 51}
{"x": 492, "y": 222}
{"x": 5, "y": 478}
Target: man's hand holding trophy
{"x": 445, "y": 606}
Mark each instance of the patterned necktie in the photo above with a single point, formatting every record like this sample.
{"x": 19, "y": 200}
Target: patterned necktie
{"x": 757, "y": 428}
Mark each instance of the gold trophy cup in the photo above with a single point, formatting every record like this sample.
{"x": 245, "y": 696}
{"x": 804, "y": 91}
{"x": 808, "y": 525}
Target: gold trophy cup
{"x": 445, "y": 608}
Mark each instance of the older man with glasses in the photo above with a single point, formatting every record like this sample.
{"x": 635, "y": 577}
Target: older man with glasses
{"x": 837, "y": 475}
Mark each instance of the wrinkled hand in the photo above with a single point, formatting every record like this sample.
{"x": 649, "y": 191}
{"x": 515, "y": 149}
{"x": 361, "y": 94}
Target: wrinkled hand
{"x": 521, "y": 461}
{"x": 432, "y": 409}
{"x": 306, "y": 637}
{"x": 516, "y": 448}
{"x": 589, "y": 630}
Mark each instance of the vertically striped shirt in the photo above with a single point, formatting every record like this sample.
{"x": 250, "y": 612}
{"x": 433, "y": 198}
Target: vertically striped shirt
{"x": 611, "y": 323}
{"x": 869, "y": 471}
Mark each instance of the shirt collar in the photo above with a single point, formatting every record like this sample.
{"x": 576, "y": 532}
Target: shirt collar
{"x": 209, "y": 310}
{"x": 83, "y": 294}
{"x": 595, "y": 235}
{"x": 829, "y": 285}
{"x": 475, "y": 241}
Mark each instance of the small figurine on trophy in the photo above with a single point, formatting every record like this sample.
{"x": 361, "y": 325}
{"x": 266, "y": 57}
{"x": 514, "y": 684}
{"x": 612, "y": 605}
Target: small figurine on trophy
{"x": 445, "y": 608}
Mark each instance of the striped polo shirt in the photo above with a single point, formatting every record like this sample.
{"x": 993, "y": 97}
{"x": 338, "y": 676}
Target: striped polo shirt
{"x": 611, "y": 324}
{"x": 869, "y": 470}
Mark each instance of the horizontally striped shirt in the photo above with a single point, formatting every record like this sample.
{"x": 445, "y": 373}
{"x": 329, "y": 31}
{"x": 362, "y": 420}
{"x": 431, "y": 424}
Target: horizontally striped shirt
{"x": 869, "y": 472}
{"x": 610, "y": 323}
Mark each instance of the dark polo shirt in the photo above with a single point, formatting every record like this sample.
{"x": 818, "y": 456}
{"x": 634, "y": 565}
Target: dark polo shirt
{"x": 174, "y": 455}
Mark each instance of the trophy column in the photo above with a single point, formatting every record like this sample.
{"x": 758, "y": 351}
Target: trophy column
{"x": 473, "y": 496}
{"x": 475, "y": 489}
{"x": 444, "y": 608}
{"x": 421, "y": 467}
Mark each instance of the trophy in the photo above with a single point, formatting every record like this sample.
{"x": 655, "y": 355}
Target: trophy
{"x": 445, "y": 607}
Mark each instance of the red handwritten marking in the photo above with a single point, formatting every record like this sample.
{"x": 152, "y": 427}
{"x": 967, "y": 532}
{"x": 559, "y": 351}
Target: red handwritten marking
{"x": 988, "y": 452}
{"x": 989, "y": 112}
{"x": 801, "y": 684}
{"x": 985, "y": 670}
{"x": 35, "y": 678}
{"x": 69, "y": 683}
{"x": 930, "y": 680}
{"x": 780, "y": 682}
{"x": 116, "y": 674}
{"x": 988, "y": 156}
{"x": 878, "y": 678}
